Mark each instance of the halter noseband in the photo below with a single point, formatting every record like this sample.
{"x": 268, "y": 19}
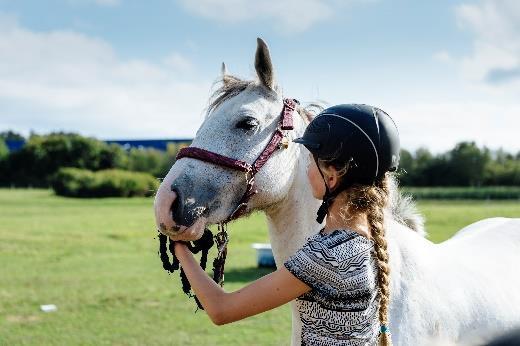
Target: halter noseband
{"x": 277, "y": 141}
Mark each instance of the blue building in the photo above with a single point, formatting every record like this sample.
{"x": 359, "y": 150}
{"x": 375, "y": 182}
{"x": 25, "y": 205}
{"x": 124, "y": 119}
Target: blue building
{"x": 159, "y": 144}
{"x": 14, "y": 145}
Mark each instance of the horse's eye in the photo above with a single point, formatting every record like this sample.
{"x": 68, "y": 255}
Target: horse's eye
{"x": 247, "y": 124}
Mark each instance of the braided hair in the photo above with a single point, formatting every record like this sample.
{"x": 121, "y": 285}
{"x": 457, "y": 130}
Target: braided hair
{"x": 371, "y": 200}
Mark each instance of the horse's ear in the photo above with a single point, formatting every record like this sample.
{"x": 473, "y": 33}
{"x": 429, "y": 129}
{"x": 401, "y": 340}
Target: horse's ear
{"x": 226, "y": 77}
{"x": 263, "y": 64}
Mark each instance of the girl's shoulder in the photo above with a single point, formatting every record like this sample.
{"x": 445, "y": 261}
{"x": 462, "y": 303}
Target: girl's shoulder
{"x": 336, "y": 262}
{"x": 345, "y": 239}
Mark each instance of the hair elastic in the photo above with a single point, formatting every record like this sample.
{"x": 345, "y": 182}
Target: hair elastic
{"x": 384, "y": 328}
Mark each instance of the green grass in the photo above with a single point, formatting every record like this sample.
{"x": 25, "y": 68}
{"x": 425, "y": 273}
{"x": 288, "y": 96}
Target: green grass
{"x": 445, "y": 217}
{"x": 97, "y": 260}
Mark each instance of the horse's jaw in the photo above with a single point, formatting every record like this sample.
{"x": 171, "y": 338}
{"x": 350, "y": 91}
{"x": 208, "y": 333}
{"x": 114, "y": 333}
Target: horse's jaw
{"x": 292, "y": 220}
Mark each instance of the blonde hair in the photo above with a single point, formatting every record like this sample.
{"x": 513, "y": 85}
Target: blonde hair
{"x": 370, "y": 200}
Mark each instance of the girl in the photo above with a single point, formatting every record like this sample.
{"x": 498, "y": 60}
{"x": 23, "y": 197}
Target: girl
{"x": 340, "y": 277}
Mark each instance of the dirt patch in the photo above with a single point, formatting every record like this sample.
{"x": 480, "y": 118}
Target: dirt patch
{"x": 151, "y": 303}
{"x": 23, "y": 318}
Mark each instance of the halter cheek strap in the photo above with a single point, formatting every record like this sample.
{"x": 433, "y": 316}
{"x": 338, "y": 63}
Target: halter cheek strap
{"x": 276, "y": 142}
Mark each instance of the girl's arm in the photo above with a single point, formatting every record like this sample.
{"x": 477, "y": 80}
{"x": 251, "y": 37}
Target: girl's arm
{"x": 266, "y": 293}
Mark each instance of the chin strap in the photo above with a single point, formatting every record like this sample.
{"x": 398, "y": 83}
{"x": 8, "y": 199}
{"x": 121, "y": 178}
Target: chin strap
{"x": 322, "y": 211}
{"x": 329, "y": 196}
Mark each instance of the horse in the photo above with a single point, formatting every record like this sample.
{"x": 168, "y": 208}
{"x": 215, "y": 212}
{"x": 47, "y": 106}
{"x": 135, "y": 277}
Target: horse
{"x": 465, "y": 285}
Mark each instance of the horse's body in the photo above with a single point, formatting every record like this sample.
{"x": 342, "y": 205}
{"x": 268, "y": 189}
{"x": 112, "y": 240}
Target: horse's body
{"x": 464, "y": 285}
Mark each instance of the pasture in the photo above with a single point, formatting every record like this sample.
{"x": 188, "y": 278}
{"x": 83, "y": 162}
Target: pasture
{"x": 97, "y": 260}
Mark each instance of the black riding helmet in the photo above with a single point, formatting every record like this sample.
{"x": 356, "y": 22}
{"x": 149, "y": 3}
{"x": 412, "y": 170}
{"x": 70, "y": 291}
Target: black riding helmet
{"x": 360, "y": 134}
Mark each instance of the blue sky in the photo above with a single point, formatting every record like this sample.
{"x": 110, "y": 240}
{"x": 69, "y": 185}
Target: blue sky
{"x": 446, "y": 71}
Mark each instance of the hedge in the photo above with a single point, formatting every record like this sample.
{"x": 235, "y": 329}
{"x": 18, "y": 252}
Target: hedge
{"x": 75, "y": 182}
{"x": 465, "y": 192}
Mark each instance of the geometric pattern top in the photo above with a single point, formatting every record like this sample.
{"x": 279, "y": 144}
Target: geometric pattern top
{"x": 342, "y": 306}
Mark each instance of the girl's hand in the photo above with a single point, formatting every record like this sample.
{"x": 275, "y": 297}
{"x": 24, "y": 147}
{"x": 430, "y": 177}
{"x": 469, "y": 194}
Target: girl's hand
{"x": 180, "y": 247}
{"x": 183, "y": 233}
{"x": 268, "y": 292}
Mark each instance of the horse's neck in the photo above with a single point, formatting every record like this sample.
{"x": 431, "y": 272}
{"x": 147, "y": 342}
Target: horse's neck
{"x": 408, "y": 251}
{"x": 292, "y": 220}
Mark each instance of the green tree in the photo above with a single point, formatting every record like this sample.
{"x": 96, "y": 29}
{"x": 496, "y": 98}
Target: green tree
{"x": 113, "y": 156}
{"x": 503, "y": 172}
{"x": 437, "y": 171}
{"x": 147, "y": 160}
{"x": 406, "y": 167}
{"x": 422, "y": 161}
{"x": 42, "y": 156}
{"x": 467, "y": 164}
{"x": 4, "y": 151}
{"x": 4, "y": 154}
{"x": 11, "y": 136}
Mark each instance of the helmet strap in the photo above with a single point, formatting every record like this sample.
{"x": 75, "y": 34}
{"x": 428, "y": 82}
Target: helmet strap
{"x": 327, "y": 197}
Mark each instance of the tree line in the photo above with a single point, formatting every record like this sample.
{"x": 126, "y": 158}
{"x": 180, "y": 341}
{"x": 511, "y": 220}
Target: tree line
{"x": 464, "y": 165}
{"x": 38, "y": 161}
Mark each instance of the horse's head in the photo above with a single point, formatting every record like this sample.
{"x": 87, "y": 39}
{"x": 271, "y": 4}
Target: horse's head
{"x": 241, "y": 121}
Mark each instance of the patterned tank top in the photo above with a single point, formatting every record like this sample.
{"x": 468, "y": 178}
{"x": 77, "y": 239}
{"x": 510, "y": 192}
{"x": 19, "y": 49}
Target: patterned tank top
{"x": 342, "y": 306}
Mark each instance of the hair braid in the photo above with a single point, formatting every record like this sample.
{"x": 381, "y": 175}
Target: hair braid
{"x": 371, "y": 200}
{"x": 375, "y": 218}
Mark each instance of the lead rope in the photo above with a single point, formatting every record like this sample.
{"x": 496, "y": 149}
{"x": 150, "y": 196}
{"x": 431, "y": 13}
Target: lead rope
{"x": 204, "y": 244}
{"x": 222, "y": 239}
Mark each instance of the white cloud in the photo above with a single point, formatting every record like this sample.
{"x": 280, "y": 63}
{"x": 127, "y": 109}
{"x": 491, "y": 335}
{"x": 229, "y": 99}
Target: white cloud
{"x": 439, "y": 126}
{"x": 291, "y": 16}
{"x": 443, "y": 56}
{"x": 64, "y": 80}
{"x": 496, "y": 47}
{"x": 178, "y": 62}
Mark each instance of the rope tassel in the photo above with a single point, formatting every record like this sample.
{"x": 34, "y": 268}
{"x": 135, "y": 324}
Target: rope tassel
{"x": 203, "y": 245}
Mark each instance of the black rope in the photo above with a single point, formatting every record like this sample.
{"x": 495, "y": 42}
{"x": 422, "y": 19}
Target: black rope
{"x": 219, "y": 262}
{"x": 203, "y": 245}
{"x": 163, "y": 253}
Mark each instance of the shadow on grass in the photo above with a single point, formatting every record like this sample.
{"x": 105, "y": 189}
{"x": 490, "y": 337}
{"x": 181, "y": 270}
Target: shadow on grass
{"x": 246, "y": 274}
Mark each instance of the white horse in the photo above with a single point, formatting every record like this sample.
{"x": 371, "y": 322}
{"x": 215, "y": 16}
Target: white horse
{"x": 466, "y": 285}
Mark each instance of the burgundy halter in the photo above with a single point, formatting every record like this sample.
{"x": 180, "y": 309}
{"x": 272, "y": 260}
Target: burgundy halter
{"x": 277, "y": 141}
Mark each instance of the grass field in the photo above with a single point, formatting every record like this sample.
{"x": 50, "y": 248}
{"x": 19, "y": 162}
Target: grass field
{"x": 97, "y": 261}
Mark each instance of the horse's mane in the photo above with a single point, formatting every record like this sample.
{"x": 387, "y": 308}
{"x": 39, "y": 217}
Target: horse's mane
{"x": 231, "y": 86}
{"x": 402, "y": 207}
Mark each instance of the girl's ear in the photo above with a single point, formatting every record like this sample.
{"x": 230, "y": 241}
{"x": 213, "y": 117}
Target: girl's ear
{"x": 333, "y": 177}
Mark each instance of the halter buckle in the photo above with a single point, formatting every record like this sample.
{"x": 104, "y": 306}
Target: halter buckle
{"x": 284, "y": 143}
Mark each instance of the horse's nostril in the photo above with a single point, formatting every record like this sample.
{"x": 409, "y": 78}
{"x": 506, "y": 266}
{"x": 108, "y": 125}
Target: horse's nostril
{"x": 176, "y": 208}
{"x": 175, "y": 205}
